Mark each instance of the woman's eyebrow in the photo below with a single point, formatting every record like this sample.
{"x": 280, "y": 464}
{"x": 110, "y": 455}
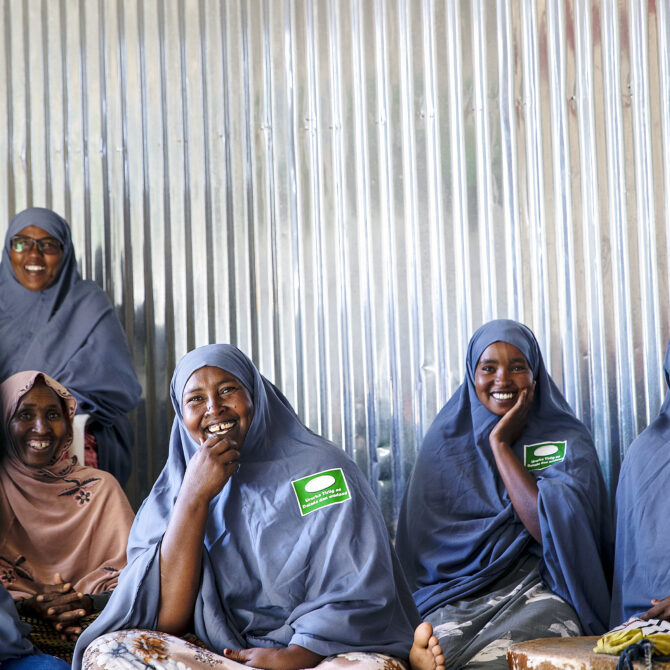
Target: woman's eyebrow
{"x": 31, "y": 405}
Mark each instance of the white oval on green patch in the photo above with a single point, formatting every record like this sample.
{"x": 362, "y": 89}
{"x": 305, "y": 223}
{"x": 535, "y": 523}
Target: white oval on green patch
{"x": 547, "y": 450}
{"x": 319, "y": 483}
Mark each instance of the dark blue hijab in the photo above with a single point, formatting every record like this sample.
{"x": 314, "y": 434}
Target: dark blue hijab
{"x": 13, "y": 632}
{"x": 328, "y": 581}
{"x": 458, "y": 531}
{"x": 71, "y": 332}
{"x": 643, "y": 518}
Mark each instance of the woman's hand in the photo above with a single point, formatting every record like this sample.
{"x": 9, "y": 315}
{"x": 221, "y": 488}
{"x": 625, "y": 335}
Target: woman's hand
{"x": 660, "y": 609}
{"x": 511, "y": 424}
{"x": 292, "y": 657}
{"x": 210, "y": 468}
{"x": 520, "y": 484}
{"x": 60, "y": 605}
{"x": 207, "y": 473}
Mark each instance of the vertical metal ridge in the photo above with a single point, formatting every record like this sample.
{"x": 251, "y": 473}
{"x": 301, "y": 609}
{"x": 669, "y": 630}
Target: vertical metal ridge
{"x": 365, "y": 248}
{"x": 107, "y": 278}
{"x": 28, "y": 148}
{"x": 459, "y": 209}
{"x": 65, "y": 74}
{"x": 298, "y": 283}
{"x": 87, "y": 252}
{"x": 663, "y": 30}
{"x": 46, "y": 74}
{"x": 186, "y": 188}
{"x": 314, "y": 150}
{"x": 9, "y": 97}
{"x": 206, "y": 143}
{"x": 409, "y": 195}
{"x": 534, "y": 178}
{"x": 618, "y": 225}
{"x": 598, "y": 418}
{"x": 488, "y": 270}
{"x": 230, "y": 276}
{"x": 269, "y": 134}
{"x": 646, "y": 223}
{"x": 435, "y": 238}
{"x": 249, "y": 179}
{"x": 345, "y": 371}
{"x": 509, "y": 163}
{"x": 563, "y": 212}
{"x": 126, "y": 252}
{"x": 387, "y": 250}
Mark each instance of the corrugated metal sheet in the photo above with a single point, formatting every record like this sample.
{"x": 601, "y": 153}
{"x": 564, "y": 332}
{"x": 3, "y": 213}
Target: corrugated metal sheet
{"x": 347, "y": 188}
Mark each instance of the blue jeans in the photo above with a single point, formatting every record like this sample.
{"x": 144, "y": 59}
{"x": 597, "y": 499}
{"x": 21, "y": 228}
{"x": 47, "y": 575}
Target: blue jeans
{"x": 35, "y": 662}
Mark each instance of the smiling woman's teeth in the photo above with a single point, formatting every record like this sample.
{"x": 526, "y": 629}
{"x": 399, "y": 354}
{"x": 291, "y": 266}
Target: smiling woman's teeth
{"x": 34, "y": 444}
{"x": 220, "y": 427}
{"x": 34, "y": 268}
{"x": 503, "y": 396}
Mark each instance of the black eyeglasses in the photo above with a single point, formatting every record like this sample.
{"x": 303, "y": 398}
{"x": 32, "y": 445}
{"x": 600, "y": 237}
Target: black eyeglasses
{"x": 47, "y": 245}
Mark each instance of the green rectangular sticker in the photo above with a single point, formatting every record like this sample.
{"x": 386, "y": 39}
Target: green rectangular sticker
{"x": 544, "y": 454}
{"x": 320, "y": 490}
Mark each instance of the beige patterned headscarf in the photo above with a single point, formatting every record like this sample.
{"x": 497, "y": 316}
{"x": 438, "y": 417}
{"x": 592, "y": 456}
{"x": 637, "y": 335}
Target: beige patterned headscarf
{"x": 62, "y": 518}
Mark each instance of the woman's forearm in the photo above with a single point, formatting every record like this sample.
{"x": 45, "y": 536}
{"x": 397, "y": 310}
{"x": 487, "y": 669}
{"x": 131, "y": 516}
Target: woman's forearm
{"x": 181, "y": 563}
{"x": 521, "y": 486}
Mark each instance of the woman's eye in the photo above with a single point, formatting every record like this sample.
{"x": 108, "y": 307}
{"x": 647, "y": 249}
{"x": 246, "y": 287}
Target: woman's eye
{"x": 25, "y": 416}
{"x": 227, "y": 389}
{"x": 193, "y": 399}
{"x": 53, "y": 416}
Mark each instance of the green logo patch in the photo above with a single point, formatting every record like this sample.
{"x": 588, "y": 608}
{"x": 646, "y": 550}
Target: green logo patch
{"x": 544, "y": 454}
{"x": 320, "y": 490}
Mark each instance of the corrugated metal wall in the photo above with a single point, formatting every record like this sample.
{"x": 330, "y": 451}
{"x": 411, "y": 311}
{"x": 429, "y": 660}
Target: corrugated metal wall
{"x": 347, "y": 188}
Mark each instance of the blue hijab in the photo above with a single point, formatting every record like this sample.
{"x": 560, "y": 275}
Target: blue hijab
{"x": 328, "y": 581}
{"x": 13, "y": 632}
{"x": 71, "y": 332}
{"x": 643, "y": 518}
{"x": 458, "y": 531}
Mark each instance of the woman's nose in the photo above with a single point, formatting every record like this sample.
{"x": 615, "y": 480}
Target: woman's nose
{"x": 501, "y": 374}
{"x": 41, "y": 425}
{"x": 213, "y": 404}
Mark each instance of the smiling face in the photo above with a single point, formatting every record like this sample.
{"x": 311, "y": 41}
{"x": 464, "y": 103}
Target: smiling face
{"x": 39, "y": 427}
{"x": 501, "y": 374}
{"x": 215, "y": 401}
{"x": 34, "y": 269}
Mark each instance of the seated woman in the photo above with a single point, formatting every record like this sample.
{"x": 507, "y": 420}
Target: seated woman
{"x": 641, "y": 583}
{"x": 64, "y": 526}
{"x": 259, "y": 537}
{"x": 504, "y": 531}
{"x": 52, "y": 320}
{"x": 16, "y": 651}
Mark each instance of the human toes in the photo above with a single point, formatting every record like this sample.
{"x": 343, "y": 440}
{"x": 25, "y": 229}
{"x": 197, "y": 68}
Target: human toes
{"x": 424, "y": 634}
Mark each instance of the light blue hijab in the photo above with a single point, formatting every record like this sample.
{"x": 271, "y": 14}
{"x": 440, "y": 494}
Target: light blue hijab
{"x": 643, "y": 518}
{"x": 458, "y": 531}
{"x": 71, "y": 332}
{"x": 328, "y": 581}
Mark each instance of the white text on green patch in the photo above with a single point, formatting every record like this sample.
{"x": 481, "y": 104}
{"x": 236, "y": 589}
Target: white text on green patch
{"x": 542, "y": 455}
{"x": 320, "y": 490}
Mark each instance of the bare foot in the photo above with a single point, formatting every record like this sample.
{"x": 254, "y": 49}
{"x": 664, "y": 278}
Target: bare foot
{"x": 426, "y": 653}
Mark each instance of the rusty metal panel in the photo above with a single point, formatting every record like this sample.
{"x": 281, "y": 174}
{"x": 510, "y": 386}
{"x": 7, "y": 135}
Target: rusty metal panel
{"x": 347, "y": 188}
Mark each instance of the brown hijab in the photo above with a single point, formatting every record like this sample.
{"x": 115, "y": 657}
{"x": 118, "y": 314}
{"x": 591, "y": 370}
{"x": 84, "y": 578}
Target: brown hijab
{"x": 62, "y": 518}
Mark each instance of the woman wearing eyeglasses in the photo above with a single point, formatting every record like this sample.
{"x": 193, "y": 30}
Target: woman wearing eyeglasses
{"x": 53, "y": 320}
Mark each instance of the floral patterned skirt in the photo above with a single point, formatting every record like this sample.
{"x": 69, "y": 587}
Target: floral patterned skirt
{"x": 128, "y": 649}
